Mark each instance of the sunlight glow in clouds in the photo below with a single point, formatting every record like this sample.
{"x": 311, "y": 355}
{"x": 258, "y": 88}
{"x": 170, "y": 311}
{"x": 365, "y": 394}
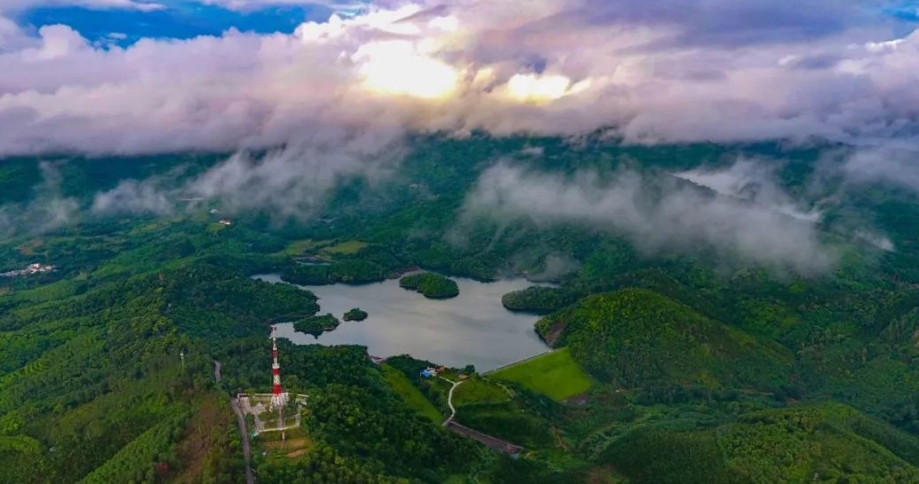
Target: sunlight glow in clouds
{"x": 548, "y": 67}
{"x": 541, "y": 89}
{"x": 340, "y": 96}
{"x": 396, "y": 67}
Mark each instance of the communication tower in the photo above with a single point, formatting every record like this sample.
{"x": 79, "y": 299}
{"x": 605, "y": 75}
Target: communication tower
{"x": 279, "y": 397}
{"x": 273, "y": 412}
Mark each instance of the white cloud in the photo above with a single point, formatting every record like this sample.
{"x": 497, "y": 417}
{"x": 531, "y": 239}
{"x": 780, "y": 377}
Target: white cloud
{"x": 893, "y": 166}
{"x": 290, "y": 183}
{"x": 751, "y": 180}
{"x": 884, "y": 46}
{"x": 337, "y": 94}
{"x": 879, "y": 241}
{"x": 669, "y": 217}
{"x": 246, "y": 5}
{"x": 47, "y": 211}
{"x": 541, "y": 66}
{"x": 134, "y": 197}
{"x": 294, "y": 182}
{"x": 11, "y": 36}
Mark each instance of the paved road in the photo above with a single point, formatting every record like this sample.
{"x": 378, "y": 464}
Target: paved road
{"x": 488, "y": 440}
{"x": 247, "y": 452}
{"x": 450, "y": 400}
{"x": 241, "y": 421}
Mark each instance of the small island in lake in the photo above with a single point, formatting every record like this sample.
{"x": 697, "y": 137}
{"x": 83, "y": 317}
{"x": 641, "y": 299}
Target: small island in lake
{"x": 355, "y": 315}
{"x": 316, "y": 325}
{"x": 430, "y": 285}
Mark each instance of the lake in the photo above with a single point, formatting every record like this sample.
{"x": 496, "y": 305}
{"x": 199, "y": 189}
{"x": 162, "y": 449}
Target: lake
{"x": 472, "y": 328}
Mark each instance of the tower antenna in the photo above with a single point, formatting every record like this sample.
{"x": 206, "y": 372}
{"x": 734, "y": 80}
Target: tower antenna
{"x": 279, "y": 397}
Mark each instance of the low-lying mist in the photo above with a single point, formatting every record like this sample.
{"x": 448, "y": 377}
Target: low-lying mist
{"x": 656, "y": 214}
{"x": 741, "y": 213}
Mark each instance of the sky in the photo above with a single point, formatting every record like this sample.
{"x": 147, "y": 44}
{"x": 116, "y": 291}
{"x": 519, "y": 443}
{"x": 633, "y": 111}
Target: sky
{"x": 177, "y": 20}
{"x": 140, "y": 76}
{"x": 336, "y": 85}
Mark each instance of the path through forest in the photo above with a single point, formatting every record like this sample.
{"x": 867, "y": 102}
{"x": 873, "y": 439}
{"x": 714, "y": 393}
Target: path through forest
{"x": 241, "y": 421}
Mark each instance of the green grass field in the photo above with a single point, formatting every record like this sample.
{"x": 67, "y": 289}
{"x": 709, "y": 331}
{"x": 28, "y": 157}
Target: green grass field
{"x": 298, "y": 247}
{"x": 477, "y": 390}
{"x": 410, "y": 394}
{"x": 350, "y": 247}
{"x": 555, "y": 374}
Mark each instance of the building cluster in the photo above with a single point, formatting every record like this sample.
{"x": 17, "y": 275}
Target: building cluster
{"x": 430, "y": 372}
{"x": 35, "y": 268}
{"x": 222, "y": 221}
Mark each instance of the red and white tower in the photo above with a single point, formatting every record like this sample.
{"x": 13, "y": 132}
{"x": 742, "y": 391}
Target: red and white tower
{"x": 279, "y": 397}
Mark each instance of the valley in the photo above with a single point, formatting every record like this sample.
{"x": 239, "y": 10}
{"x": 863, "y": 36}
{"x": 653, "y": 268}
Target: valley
{"x": 686, "y": 363}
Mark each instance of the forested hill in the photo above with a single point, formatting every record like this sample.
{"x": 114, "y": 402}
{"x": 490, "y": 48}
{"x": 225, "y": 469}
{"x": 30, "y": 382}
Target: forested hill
{"x": 680, "y": 364}
{"x": 825, "y": 443}
{"x": 96, "y": 379}
{"x": 635, "y": 338}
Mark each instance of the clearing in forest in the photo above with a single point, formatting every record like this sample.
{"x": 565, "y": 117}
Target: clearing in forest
{"x": 299, "y": 247}
{"x": 554, "y": 374}
{"x": 296, "y": 444}
{"x": 346, "y": 248}
{"x": 477, "y": 390}
{"x": 412, "y": 396}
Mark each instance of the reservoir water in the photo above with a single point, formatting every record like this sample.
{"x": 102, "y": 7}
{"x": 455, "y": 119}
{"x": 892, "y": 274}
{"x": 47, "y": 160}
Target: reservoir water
{"x": 472, "y": 328}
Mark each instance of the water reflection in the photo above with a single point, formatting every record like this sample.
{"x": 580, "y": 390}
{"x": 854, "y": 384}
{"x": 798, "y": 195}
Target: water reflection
{"x": 473, "y": 328}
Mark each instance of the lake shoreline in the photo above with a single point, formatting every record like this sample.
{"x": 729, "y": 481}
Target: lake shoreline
{"x": 472, "y": 328}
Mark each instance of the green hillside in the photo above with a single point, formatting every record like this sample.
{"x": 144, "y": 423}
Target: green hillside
{"x": 636, "y": 338}
{"x": 827, "y": 443}
{"x": 698, "y": 369}
{"x": 412, "y": 396}
{"x": 554, "y": 374}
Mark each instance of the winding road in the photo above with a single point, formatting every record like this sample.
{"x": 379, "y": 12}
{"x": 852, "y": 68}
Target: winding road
{"x": 241, "y": 421}
{"x": 247, "y": 452}
{"x": 450, "y": 400}
{"x": 488, "y": 440}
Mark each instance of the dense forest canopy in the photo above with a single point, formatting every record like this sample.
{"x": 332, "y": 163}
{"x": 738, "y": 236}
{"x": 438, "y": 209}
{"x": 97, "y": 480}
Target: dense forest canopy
{"x": 316, "y": 325}
{"x": 430, "y": 285}
{"x": 784, "y": 353}
{"x": 355, "y": 314}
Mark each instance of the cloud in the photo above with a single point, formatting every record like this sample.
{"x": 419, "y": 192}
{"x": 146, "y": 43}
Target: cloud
{"x": 555, "y": 267}
{"x": 752, "y": 180}
{"x": 11, "y": 36}
{"x": 294, "y": 182}
{"x": 889, "y": 165}
{"x": 716, "y": 22}
{"x": 879, "y": 241}
{"x": 249, "y": 5}
{"x": 289, "y": 183}
{"x": 47, "y": 211}
{"x": 655, "y": 214}
{"x": 134, "y": 197}
{"x": 711, "y": 70}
